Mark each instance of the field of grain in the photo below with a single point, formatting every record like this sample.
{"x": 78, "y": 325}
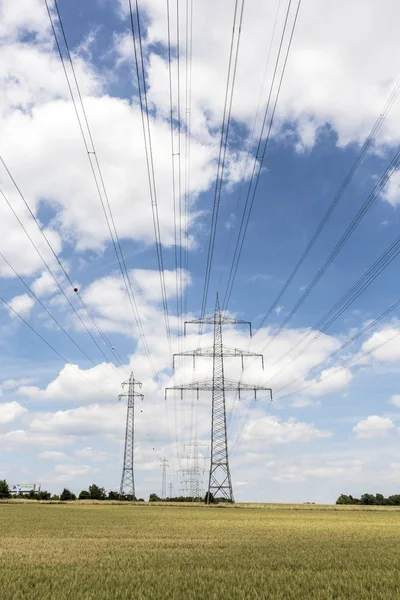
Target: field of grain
{"x": 106, "y": 552}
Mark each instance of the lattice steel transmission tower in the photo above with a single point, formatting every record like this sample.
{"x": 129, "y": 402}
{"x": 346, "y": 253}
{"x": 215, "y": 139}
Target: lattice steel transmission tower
{"x": 127, "y": 487}
{"x": 171, "y": 490}
{"x": 164, "y": 464}
{"x": 195, "y": 471}
{"x": 219, "y": 477}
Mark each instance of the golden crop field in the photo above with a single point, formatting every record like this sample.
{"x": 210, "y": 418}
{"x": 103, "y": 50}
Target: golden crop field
{"x": 108, "y": 551}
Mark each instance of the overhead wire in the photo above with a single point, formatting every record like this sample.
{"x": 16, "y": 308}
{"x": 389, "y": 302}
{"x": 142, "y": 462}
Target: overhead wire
{"x": 341, "y": 368}
{"x": 99, "y": 183}
{"x": 174, "y": 199}
{"x": 259, "y": 160}
{"x": 345, "y": 183}
{"x": 65, "y": 360}
{"x": 144, "y": 110}
{"x": 250, "y": 141}
{"x": 347, "y": 343}
{"x": 43, "y": 259}
{"x": 392, "y": 167}
{"x": 38, "y": 300}
{"x": 384, "y": 260}
{"x": 226, "y": 120}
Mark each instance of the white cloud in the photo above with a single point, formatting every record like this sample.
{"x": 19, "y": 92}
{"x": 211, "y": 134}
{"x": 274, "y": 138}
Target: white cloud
{"x": 44, "y": 285}
{"x": 278, "y": 310}
{"x": 270, "y": 430}
{"x": 85, "y": 420}
{"x": 373, "y": 426}
{"x": 75, "y": 384}
{"x": 10, "y": 411}
{"x": 69, "y": 472}
{"x": 389, "y": 353}
{"x": 391, "y": 192}
{"x": 22, "y": 305}
{"x": 12, "y": 384}
{"x": 395, "y": 399}
{"x": 304, "y": 402}
{"x": 343, "y": 84}
{"x": 21, "y": 439}
{"x": 91, "y": 454}
{"x": 52, "y": 455}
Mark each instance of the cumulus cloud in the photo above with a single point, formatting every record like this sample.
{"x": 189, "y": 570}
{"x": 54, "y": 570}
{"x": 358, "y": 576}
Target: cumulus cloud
{"x": 341, "y": 85}
{"x": 395, "y": 400}
{"x": 44, "y": 285}
{"x": 387, "y": 337}
{"x": 391, "y": 192}
{"x": 91, "y": 454}
{"x": 270, "y": 430}
{"x": 21, "y": 439}
{"x": 10, "y": 411}
{"x": 373, "y": 426}
{"x": 22, "y": 305}
{"x": 52, "y": 455}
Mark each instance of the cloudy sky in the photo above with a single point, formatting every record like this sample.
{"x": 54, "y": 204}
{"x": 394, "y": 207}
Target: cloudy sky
{"x": 330, "y": 429}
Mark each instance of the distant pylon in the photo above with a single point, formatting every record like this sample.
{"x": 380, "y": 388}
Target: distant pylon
{"x": 220, "y": 476}
{"x": 127, "y": 487}
{"x": 170, "y": 490}
{"x": 195, "y": 479}
{"x": 164, "y": 465}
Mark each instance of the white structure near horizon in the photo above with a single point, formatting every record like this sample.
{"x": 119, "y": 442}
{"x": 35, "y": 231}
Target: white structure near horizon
{"x": 24, "y": 488}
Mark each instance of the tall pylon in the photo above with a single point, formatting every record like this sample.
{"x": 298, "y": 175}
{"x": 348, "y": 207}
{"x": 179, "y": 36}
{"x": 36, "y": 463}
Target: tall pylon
{"x": 220, "y": 477}
{"x": 127, "y": 488}
{"x": 164, "y": 464}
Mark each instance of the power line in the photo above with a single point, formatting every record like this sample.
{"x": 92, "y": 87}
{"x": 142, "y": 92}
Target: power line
{"x": 47, "y": 310}
{"x": 395, "y": 162}
{"x": 251, "y": 139}
{"x": 174, "y": 199}
{"x": 144, "y": 110}
{"x": 48, "y": 343}
{"x": 385, "y": 259}
{"x": 91, "y": 152}
{"x": 365, "y": 147}
{"x": 345, "y": 366}
{"x": 42, "y": 258}
{"x": 344, "y": 345}
{"x": 251, "y": 196}
{"x": 226, "y": 119}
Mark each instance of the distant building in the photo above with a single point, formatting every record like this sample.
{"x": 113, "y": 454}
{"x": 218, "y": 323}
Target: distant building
{"x": 24, "y": 488}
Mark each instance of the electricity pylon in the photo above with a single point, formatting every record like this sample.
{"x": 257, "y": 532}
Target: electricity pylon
{"x": 195, "y": 479}
{"x": 164, "y": 465}
{"x": 127, "y": 487}
{"x": 171, "y": 490}
{"x": 219, "y": 478}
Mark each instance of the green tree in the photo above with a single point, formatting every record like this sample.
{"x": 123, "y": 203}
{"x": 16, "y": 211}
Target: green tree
{"x": 96, "y": 492}
{"x": 4, "y": 491}
{"x": 394, "y": 500}
{"x": 154, "y": 498}
{"x": 368, "y": 499}
{"x": 380, "y": 500}
{"x": 43, "y": 495}
{"x": 55, "y": 497}
{"x": 209, "y": 498}
{"x": 67, "y": 495}
{"x": 84, "y": 495}
{"x": 113, "y": 495}
{"x": 343, "y": 499}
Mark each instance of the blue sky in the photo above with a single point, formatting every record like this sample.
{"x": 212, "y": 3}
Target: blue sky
{"x": 61, "y": 423}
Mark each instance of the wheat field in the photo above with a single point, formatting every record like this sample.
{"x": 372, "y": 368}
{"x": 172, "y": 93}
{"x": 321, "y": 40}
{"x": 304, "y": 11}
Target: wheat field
{"x": 108, "y": 551}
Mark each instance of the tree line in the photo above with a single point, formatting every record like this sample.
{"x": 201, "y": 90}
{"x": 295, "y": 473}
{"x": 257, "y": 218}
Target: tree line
{"x": 95, "y": 492}
{"x": 370, "y": 500}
